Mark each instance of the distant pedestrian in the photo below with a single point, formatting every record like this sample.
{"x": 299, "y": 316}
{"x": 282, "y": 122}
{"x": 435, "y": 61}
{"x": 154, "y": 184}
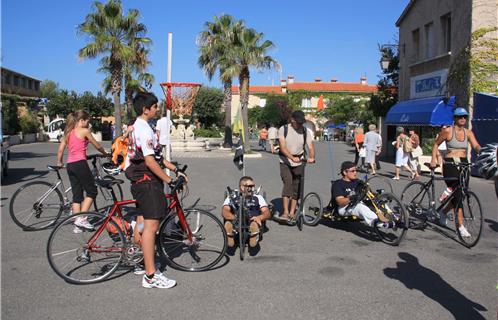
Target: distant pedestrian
{"x": 263, "y": 137}
{"x": 359, "y": 137}
{"x": 163, "y": 130}
{"x": 372, "y": 144}
{"x": 402, "y": 153}
{"x": 416, "y": 151}
{"x": 273, "y": 138}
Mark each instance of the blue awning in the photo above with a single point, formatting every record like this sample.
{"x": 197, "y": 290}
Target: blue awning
{"x": 336, "y": 126}
{"x": 426, "y": 112}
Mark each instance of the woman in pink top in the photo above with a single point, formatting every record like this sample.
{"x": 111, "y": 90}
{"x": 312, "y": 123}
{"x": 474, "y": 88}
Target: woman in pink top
{"x": 76, "y": 138}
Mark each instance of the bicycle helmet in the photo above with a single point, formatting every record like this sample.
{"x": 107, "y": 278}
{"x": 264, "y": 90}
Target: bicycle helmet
{"x": 459, "y": 111}
{"x": 111, "y": 168}
{"x": 486, "y": 161}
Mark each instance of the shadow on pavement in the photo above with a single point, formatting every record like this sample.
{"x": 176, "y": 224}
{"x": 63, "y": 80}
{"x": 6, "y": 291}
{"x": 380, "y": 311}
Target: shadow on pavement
{"x": 16, "y": 175}
{"x": 357, "y": 228}
{"x": 493, "y": 225}
{"x": 16, "y": 155}
{"x": 417, "y": 277}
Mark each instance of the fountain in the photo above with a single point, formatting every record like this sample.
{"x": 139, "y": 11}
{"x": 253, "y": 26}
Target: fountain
{"x": 182, "y": 136}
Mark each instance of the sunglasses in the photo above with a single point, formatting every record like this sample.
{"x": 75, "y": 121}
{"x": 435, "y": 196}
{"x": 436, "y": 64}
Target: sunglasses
{"x": 460, "y": 117}
{"x": 249, "y": 185}
{"x": 351, "y": 170}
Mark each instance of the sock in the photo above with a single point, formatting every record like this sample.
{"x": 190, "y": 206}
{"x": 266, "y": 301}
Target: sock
{"x": 149, "y": 276}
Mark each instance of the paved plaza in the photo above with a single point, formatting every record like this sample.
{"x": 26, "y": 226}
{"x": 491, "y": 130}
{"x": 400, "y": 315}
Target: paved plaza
{"x": 332, "y": 271}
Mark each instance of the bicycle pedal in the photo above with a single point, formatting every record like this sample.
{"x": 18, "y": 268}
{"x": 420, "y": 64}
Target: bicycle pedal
{"x": 450, "y": 216}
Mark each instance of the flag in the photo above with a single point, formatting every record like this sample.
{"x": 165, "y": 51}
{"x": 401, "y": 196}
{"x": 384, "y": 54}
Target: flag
{"x": 238, "y": 158}
{"x": 238, "y": 125}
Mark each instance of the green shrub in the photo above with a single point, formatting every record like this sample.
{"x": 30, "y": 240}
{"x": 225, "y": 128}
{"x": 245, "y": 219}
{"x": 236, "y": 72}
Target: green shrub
{"x": 207, "y": 133}
{"x": 29, "y": 124}
{"x": 426, "y": 146}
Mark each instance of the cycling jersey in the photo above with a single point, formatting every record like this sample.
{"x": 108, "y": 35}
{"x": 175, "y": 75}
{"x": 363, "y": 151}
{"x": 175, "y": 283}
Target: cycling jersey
{"x": 253, "y": 204}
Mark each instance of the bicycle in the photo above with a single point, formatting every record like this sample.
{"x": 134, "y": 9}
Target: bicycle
{"x": 94, "y": 255}
{"x": 51, "y": 200}
{"x": 392, "y": 223}
{"x": 379, "y": 183}
{"x": 420, "y": 200}
{"x": 309, "y": 209}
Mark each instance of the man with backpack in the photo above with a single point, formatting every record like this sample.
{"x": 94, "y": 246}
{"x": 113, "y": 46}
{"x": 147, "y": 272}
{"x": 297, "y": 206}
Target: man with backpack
{"x": 293, "y": 139}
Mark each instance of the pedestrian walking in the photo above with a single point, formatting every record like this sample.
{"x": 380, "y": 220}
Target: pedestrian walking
{"x": 359, "y": 137}
{"x": 163, "y": 130}
{"x": 273, "y": 138}
{"x": 372, "y": 144}
{"x": 416, "y": 151}
{"x": 403, "y": 148}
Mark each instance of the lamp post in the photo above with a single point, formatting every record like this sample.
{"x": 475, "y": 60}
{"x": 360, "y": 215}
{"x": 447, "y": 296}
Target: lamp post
{"x": 386, "y": 50}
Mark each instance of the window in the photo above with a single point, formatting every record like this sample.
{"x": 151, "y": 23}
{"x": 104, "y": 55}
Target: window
{"x": 306, "y": 103}
{"x": 416, "y": 44}
{"x": 446, "y": 30}
{"x": 429, "y": 40}
{"x": 30, "y": 84}
{"x": 23, "y": 82}
{"x": 16, "y": 81}
{"x": 37, "y": 85}
{"x": 8, "y": 78}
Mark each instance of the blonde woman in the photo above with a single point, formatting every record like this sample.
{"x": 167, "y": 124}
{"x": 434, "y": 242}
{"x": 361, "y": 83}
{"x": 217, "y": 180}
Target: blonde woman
{"x": 402, "y": 157}
{"x": 76, "y": 137}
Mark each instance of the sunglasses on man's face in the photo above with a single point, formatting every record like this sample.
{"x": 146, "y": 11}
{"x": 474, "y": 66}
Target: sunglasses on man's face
{"x": 351, "y": 170}
{"x": 249, "y": 185}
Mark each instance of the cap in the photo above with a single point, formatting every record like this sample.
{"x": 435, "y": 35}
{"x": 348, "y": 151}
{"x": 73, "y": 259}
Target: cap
{"x": 347, "y": 165}
{"x": 298, "y": 116}
{"x": 460, "y": 112}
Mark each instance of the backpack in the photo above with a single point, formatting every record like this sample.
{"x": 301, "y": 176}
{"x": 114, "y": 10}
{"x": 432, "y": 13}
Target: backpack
{"x": 119, "y": 151}
{"x": 407, "y": 145}
{"x": 286, "y": 130}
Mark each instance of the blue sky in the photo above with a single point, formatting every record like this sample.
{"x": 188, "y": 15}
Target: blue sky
{"x": 313, "y": 38}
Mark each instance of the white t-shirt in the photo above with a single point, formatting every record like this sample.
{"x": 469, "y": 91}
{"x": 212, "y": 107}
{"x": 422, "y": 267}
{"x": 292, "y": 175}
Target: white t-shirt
{"x": 164, "y": 127}
{"x": 294, "y": 143}
{"x": 142, "y": 142}
{"x": 272, "y": 133}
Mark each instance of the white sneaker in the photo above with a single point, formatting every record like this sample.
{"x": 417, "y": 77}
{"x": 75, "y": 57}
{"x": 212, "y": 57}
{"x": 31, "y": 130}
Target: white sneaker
{"x": 463, "y": 232}
{"x": 82, "y": 222}
{"x": 443, "y": 220}
{"x": 77, "y": 230}
{"x": 159, "y": 280}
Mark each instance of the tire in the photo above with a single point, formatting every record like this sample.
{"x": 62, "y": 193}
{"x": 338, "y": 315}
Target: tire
{"x": 44, "y": 212}
{"x": 393, "y": 210}
{"x": 104, "y": 198}
{"x": 380, "y": 183}
{"x": 69, "y": 257}
{"x": 187, "y": 257}
{"x": 472, "y": 219}
{"x": 312, "y": 209}
{"x": 416, "y": 199}
{"x": 242, "y": 231}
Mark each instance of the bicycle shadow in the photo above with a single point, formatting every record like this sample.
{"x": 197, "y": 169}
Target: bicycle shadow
{"x": 493, "y": 225}
{"x": 357, "y": 228}
{"x": 417, "y": 277}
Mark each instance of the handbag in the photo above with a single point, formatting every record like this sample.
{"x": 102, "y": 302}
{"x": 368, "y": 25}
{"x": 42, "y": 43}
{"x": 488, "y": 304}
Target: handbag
{"x": 363, "y": 152}
{"x": 417, "y": 152}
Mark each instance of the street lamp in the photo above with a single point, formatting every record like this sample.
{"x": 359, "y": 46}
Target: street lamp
{"x": 385, "y": 60}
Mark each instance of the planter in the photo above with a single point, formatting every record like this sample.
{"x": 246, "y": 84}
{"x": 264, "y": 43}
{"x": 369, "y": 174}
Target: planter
{"x": 29, "y": 138}
{"x": 97, "y": 135}
{"x": 14, "y": 139}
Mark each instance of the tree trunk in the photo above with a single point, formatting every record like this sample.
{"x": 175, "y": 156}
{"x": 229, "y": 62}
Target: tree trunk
{"x": 128, "y": 103}
{"x": 116, "y": 86}
{"x": 227, "y": 103}
{"x": 244, "y": 103}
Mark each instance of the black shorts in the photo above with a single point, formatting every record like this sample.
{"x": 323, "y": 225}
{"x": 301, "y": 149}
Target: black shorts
{"x": 451, "y": 171}
{"x": 151, "y": 200}
{"x": 81, "y": 178}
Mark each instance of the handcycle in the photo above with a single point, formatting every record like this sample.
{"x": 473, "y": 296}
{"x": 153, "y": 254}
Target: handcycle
{"x": 242, "y": 221}
{"x": 392, "y": 223}
{"x": 308, "y": 209}
{"x": 51, "y": 199}
{"x": 420, "y": 201}
{"x": 188, "y": 239}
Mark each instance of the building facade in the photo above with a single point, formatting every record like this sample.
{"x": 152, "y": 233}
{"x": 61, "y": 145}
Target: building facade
{"x": 17, "y": 83}
{"x": 431, "y": 36}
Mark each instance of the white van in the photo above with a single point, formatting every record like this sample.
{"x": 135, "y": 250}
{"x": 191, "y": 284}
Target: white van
{"x": 55, "y": 129}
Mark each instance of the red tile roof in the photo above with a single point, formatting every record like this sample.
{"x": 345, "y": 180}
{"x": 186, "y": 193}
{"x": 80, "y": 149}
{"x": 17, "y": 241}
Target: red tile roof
{"x": 314, "y": 87}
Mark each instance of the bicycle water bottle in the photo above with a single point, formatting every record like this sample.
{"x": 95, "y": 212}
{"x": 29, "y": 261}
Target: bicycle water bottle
{"x": 445, "y": 194}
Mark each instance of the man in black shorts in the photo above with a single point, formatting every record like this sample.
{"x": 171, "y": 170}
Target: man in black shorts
{"x": 147, "y": 178}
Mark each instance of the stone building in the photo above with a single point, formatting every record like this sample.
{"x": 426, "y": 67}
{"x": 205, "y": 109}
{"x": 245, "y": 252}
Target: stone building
{"x": 431, "y": 35}
{"x": 17, "y": 83}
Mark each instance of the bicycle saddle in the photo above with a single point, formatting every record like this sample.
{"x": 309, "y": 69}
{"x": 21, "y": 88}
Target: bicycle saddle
{"x": 54, "y": 168}
{"x": 108, "y": 183}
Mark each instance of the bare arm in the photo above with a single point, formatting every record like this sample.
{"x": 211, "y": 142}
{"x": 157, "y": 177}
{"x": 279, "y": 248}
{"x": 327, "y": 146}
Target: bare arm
{"x": 89, "y": 136}
{"x": 264, "y": 215}
{"x": 440, "y": 138}
{"x": 473, "y": 141}
{"x": 151, "y": 163}
{"x": 60, "y": 151}
{"x": 311, "y": 147}
{"x": 342, "y": 201}
{"x": 227, "y": 213}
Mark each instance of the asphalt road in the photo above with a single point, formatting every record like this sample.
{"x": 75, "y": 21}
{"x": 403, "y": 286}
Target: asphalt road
{"x": 332, "y": 271}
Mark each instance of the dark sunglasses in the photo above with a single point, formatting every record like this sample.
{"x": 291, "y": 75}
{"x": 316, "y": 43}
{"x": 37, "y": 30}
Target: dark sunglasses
{"x": 351, "y": 170}
{"x": 249, "y": 185}
{"x": 460, "y": 117}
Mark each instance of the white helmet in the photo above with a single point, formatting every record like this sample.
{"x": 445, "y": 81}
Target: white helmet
{"x": 486, "y": 161}
{"x": 111, "y": 168}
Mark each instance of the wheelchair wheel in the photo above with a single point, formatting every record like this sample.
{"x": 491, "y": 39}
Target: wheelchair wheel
{"x": 392, "y": 231}
{"x": 312, "y": 209}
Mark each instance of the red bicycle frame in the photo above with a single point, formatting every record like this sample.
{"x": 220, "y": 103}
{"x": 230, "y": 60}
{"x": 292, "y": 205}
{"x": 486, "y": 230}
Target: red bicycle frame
{"x": 179, "y": 212}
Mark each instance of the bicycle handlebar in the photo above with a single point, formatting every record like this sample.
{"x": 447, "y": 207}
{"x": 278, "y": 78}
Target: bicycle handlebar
{"x": 180, "y": 181}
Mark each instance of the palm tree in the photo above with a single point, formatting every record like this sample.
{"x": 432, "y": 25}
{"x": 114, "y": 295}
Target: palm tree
{"x": 215, "y": 42}
{"x": 249, "y": 51}
{"x": 109, "y": 32}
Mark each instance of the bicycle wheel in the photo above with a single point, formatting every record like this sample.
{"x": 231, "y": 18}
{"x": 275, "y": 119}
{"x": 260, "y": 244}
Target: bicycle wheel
{"x": 242, "y": 231}
{"x": 393, "y": 211}
{"x": 312, "y": 209}
{"x": 472, "y": 219}
{"x": 416, "y": 200}
{"x": 73, "y": 260}
{"x": 36, "y": 205}
{"x": 380, "y": 183}
{"x": 209, "y": 241}
{"x": 104, "y": 198}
